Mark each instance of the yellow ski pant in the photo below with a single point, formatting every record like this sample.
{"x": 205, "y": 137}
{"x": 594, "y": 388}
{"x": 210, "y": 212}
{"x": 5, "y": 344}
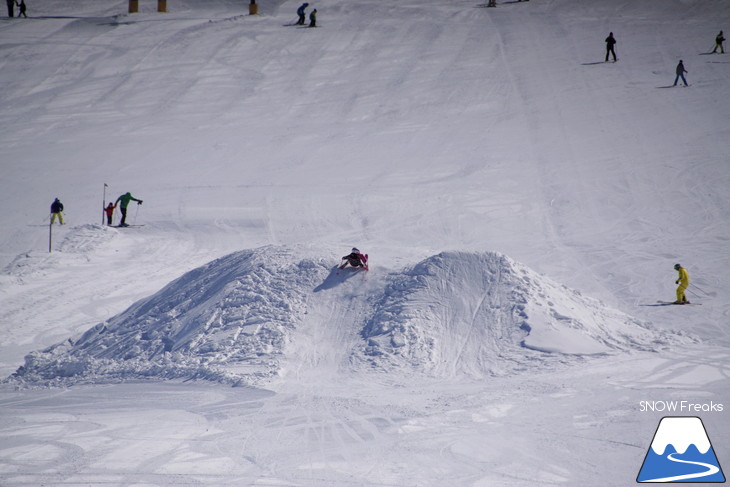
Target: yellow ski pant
{"x": 680, "y": 292}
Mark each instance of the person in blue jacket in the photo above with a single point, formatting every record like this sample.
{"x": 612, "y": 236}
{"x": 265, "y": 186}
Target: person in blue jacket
{"x": 301, "y": 13}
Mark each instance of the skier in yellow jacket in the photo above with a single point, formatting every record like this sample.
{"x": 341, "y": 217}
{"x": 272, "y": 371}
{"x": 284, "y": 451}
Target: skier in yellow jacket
{"x": 683, "y": 281}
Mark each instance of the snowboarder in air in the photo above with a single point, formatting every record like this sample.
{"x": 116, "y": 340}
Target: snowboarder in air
{"x": 356, "y": 259}
{"x": 109, "y": 210}
{"x": 718, "y": 43}
{"x": 610, "y": 42}
{"x": 125, "y": 199}
{"x": 300, "y": 13}
{"x": 683, "y": 281}
{"x": 680, "y": 73}
{"x": 313, "y": 18}
{"x": 56, "y": 209}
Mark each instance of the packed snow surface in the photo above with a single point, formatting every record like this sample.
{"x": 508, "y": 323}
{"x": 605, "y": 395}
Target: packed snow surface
{"x": 523, "y": 204}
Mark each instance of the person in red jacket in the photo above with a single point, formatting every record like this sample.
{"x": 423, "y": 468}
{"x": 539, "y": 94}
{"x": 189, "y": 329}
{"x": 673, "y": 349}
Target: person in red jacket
{"x": 355, "y": 259}
{"x": 109, "y": 210}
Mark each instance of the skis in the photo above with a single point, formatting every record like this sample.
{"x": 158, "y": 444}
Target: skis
{"x": 363, "y": 259}
{"x": 365, "y": 267}
{"x": 126, "y": 225}
{"x": 668, "y": 303}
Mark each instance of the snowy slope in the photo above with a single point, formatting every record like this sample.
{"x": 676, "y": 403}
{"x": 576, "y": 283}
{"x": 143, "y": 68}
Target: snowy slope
{"x": 406, "y": 129}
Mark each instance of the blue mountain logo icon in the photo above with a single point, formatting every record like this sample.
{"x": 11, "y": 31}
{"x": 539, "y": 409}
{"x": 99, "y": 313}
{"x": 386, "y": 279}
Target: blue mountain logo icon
{"x": 681, "y": 452}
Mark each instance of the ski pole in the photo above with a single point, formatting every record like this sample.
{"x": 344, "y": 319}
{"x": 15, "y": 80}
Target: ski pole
{"x": 700, "y": 289}
{"x": 135, "y": 214}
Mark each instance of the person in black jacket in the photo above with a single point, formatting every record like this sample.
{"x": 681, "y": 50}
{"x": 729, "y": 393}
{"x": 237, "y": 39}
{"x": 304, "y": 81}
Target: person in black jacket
{"x": 718, "y": 43}
{"x": 11, "y": 8}
{"x": 22, "y": 8}
{"x": 56, "y": 209}
{"x": 680, "y": 73}
{"x": 610, "y": 42}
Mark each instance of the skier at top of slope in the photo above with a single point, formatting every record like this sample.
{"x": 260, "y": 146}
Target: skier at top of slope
{"x": 300, "y": 13}
{"x": 356, "y": 259}
{"x": 125, "y": 199}
{"x": 610, "y": 42}
{"x": 683, "y": 281}
{"x": 56, "y": 209}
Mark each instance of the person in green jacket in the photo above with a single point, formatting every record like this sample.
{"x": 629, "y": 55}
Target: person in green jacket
{"x": 683, "y": 281}
{"x": 125, "y": 199}
{"x": 313, "y": 18}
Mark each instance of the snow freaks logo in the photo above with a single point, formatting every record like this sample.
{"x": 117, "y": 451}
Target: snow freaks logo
{"x": 681, "y": 452}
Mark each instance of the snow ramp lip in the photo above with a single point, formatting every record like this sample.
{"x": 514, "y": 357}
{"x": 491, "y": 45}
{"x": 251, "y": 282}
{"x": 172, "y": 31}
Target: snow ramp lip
{"x": 233, "y": 321}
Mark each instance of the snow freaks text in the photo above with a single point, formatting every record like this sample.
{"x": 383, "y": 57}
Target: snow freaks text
{"x": 680, "y": 407}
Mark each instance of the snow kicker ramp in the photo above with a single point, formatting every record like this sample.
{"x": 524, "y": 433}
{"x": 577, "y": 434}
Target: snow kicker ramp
{"x": 243, "y": 319}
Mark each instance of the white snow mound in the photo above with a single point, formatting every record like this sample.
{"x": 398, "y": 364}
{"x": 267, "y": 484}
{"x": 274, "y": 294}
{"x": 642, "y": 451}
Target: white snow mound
{"x": 455, "y": 313}
{"x": 483, "y": 313}
{"x": 225, "y": 321}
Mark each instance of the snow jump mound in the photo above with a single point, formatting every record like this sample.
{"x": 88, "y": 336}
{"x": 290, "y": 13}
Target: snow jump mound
{"x": 232, "y": 321}
{"x": 226, "y": 321}
{"x": 483, "y": 313}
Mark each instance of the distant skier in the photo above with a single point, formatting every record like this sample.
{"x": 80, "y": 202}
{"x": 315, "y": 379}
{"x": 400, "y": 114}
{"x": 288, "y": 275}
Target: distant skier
{"x": 683, "y": 281}
{"x": 11, "y": 8}
{"x": 680, "y": 73}
{"x": 22, "y": 8}
{"x": 313, "y": 18}
{"x": 125, "y": 199}
{"x": 356, "y": 259}
{"x": 56, "y": 209}
{"x": 718, "y": 43}
{"x": 610, "y": 42}
{"x": 301, "y": 13}
{"x": 109, "y": 210}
